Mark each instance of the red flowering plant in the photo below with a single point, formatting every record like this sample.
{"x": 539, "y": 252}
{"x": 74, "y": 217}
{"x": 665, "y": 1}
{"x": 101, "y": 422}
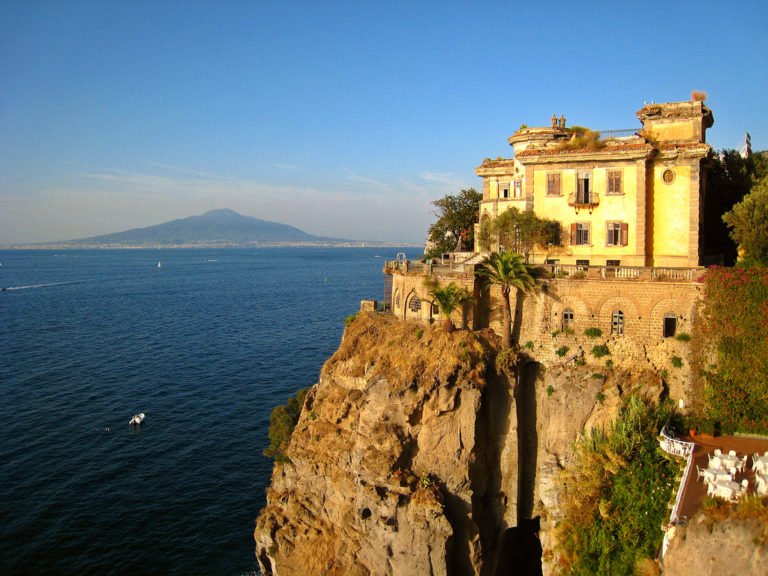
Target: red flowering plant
{"x": 736, "y": 317}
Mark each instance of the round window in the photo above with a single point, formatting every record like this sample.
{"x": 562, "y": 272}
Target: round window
{"x": 668, "y": 176}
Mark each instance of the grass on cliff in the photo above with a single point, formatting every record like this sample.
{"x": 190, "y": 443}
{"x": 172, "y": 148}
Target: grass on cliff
{"x": 411, "y": 353}
{"x": 615, "y": 495}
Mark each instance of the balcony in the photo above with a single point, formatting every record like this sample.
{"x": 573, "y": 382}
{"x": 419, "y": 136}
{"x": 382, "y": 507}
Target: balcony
{"x": 583, "y": 200}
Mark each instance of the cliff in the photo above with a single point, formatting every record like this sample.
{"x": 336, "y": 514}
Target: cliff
{"x": 415, "y": 455}
{"x": 729, "y": 546}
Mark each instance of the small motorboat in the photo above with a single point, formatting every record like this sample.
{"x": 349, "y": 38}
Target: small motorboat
{"x": 137, "y": 419}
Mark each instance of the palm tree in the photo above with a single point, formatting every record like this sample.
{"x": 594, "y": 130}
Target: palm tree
{"x": 448, "y": 298}
{"x": 506, "y": 270}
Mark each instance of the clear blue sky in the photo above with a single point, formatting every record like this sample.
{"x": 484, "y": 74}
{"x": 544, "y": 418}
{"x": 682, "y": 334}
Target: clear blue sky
{"x": 342, "y": 118}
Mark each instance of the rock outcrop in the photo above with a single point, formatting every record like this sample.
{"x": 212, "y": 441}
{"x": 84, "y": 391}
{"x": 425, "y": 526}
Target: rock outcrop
{"x": 415, "y": 454}
{"x": 731, "y": 546}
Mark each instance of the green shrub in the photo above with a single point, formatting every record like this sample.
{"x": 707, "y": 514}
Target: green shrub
{"x": 580, "y": 361}
{"x": 349, "y": 319}
{"x": 683, "y": 337}
{"x": 596, "y": 375}
{"x": 555, "y": 333}
{"x": 593, "y": 332}
{"x": 529, "y": 345}
{"x": 419, "y": 333}
{"x": 609, "y": 363}
{"x": 282, "y": 421}
{"x": 600, "y": 397}
{"x": 677, "y": 362}
{"x": 734, "y": 319}
{"x": 562, "y": 351}
{"x": 600, "y": 351}
{"x": 615, "y": 495}
{"x": 550, "y": 390}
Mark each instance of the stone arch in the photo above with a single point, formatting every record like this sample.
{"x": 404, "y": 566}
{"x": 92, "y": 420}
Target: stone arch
{"x": 656, "y": 320}
{"x": 632, "y": 319}
{"x": 582, "y": 315}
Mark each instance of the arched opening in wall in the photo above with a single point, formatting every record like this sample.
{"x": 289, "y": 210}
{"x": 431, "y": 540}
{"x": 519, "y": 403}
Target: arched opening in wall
{"x": 670, "y": 325}
{"x": 617, "y": 323}
{"x": 415, "y": 304}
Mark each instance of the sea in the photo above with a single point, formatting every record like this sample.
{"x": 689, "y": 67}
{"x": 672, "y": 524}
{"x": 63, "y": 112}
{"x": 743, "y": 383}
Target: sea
{"x": 205, "y": 342}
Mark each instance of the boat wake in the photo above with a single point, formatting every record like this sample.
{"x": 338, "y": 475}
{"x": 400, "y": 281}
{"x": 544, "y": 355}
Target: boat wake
{"x": 32, "y": 286}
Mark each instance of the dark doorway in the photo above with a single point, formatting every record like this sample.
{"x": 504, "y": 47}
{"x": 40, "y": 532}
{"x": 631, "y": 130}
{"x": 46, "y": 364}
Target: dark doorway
{"x": 670, "y": 324}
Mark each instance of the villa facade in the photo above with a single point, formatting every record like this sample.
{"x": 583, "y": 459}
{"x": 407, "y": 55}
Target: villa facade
{"x": 628, "y": 264}
{"x": 633, "y": 198}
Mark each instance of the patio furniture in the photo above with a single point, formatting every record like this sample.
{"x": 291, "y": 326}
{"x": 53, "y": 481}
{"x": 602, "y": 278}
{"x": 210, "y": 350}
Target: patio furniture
{"x": 727, "y": 490}
{"x": 760, "y": 465}
{"x": 714, "y": 475}
{"x": 728, "y": 461}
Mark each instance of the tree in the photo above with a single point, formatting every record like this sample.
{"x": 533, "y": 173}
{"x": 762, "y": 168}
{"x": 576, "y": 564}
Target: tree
{"x": 506, "y": 270}
{"x": 282, "y": 421}
{"x": 447, "y": 298}
{"x": 748, "y": 221}
{"x": 521, "y": 232}
{"x": 455, "y": 226}
{"x": 729, "y": 180}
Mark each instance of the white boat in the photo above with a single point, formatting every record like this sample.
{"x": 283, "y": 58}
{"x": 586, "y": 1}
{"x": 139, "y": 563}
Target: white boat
{"x": 137, "y": 419}
{"x": 159, "y": 265}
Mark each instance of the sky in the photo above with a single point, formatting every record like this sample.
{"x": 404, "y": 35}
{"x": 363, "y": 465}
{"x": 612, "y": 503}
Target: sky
{"x": 344, "y": 119}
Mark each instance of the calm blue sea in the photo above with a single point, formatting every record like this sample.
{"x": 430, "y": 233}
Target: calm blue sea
{"x": 206, "y": 345}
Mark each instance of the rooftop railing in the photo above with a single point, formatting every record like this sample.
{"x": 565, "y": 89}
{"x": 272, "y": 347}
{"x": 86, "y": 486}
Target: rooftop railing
{"x": 616, "y": 134}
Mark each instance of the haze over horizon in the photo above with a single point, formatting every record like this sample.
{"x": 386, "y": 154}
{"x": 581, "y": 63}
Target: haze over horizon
{"x": 342, "y": 119}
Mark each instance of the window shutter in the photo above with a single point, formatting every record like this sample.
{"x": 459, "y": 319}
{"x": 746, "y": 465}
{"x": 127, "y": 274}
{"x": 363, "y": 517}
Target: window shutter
{"x": 574, "y": 233}
{"x": 588, "y": 229}
{"x": 607, "y": 233}
{"x": 624, "y": 233}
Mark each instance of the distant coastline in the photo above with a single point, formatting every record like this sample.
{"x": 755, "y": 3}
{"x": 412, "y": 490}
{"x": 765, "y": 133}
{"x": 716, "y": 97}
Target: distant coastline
{"x": 91, "y": 246}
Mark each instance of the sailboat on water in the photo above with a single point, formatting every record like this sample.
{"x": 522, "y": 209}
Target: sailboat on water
{"x": 159, "y": 265}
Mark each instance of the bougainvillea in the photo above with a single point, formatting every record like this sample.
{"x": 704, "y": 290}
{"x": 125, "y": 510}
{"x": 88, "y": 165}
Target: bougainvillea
{"x": 736, "y": 317}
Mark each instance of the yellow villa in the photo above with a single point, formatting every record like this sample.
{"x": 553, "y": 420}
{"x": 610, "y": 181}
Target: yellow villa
{"x": 631, "y": 198}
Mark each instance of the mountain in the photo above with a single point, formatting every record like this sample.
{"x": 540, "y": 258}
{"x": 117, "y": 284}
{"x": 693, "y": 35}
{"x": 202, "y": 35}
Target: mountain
{"x": 216, "y": 227}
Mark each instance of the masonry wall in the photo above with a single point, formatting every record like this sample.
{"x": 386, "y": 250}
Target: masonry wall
{"x": 644, "y": 304}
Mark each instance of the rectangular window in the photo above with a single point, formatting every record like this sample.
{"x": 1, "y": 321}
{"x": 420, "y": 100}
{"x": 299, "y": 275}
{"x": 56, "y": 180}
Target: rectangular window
{"x": 553, "y": 184}
{"x": 580, "y": 234}
{"x": 616, "y": 233}
{"x": 518, "y": 188}
{"x": 583, "y": 189}
{"x": 568, "y": 321}
{"x": 582, "y": 264}
{"x": 613, "y": 263}
{"x": 614, "y": 182}
{"x": 503, "y": 189}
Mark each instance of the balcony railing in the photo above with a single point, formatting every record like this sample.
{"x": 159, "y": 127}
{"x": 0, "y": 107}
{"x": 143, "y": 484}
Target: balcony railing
{"x": 581, "y": 200}
{"x": 624, "y": 272}
{"x": 617, "y": 134}
{"x": 465, "y": 262}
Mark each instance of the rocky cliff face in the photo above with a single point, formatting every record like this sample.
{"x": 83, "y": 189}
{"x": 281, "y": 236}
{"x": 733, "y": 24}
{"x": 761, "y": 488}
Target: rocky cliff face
{"x": 414, "y": 455}
{"x": 733, "y": 546}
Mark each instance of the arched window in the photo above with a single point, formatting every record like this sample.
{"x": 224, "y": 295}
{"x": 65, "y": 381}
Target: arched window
{"x": 415, "y": 304}
{"x": 670, "y": 324}
{"x": 568, "y": 320}
{"x": 397, "y": 299}
{"x": 617, "y": 323}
